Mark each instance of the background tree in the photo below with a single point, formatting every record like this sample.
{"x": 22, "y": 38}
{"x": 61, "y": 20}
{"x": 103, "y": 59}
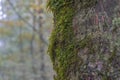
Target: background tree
{"x": 24, "y": 29}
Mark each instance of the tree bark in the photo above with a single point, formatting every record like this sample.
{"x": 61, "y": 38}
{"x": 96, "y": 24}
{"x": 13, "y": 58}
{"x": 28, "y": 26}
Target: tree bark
{"x": 84, "y": 44}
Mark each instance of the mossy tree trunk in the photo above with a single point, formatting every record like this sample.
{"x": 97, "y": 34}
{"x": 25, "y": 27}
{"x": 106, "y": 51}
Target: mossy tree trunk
{"x": 85, "y": 42}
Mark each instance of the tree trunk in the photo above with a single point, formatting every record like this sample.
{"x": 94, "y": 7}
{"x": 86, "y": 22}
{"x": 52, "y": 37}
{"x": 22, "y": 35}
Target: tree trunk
{"x": 84, "y": 44}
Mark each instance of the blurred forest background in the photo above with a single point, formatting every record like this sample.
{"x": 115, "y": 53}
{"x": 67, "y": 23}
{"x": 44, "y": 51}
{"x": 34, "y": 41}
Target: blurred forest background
{"x": 25, "y": 26}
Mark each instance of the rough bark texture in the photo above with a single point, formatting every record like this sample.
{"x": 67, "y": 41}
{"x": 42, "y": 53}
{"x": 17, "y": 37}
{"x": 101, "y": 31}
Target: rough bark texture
{"x": 85, "y": 41}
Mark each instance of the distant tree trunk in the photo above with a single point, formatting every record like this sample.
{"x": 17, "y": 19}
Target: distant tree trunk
{"x": 84, "y": 44}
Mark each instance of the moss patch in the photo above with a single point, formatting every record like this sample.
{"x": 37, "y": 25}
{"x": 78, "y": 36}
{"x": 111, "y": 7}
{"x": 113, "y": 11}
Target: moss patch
{"x": 62, "y": 48}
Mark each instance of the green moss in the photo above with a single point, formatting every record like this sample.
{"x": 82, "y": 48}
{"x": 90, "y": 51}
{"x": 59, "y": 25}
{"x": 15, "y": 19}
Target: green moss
{"x": 62, "y": 48}
{"x": 113, "y": 54}
{"x": 85, "y": 42}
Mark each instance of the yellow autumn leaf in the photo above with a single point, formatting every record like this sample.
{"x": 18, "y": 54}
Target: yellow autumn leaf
{"x": 36, "y": 7}
{"x": 4, "y": 31}
{"x": 26, "y": 36}
{"x": 12, "y": 23}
